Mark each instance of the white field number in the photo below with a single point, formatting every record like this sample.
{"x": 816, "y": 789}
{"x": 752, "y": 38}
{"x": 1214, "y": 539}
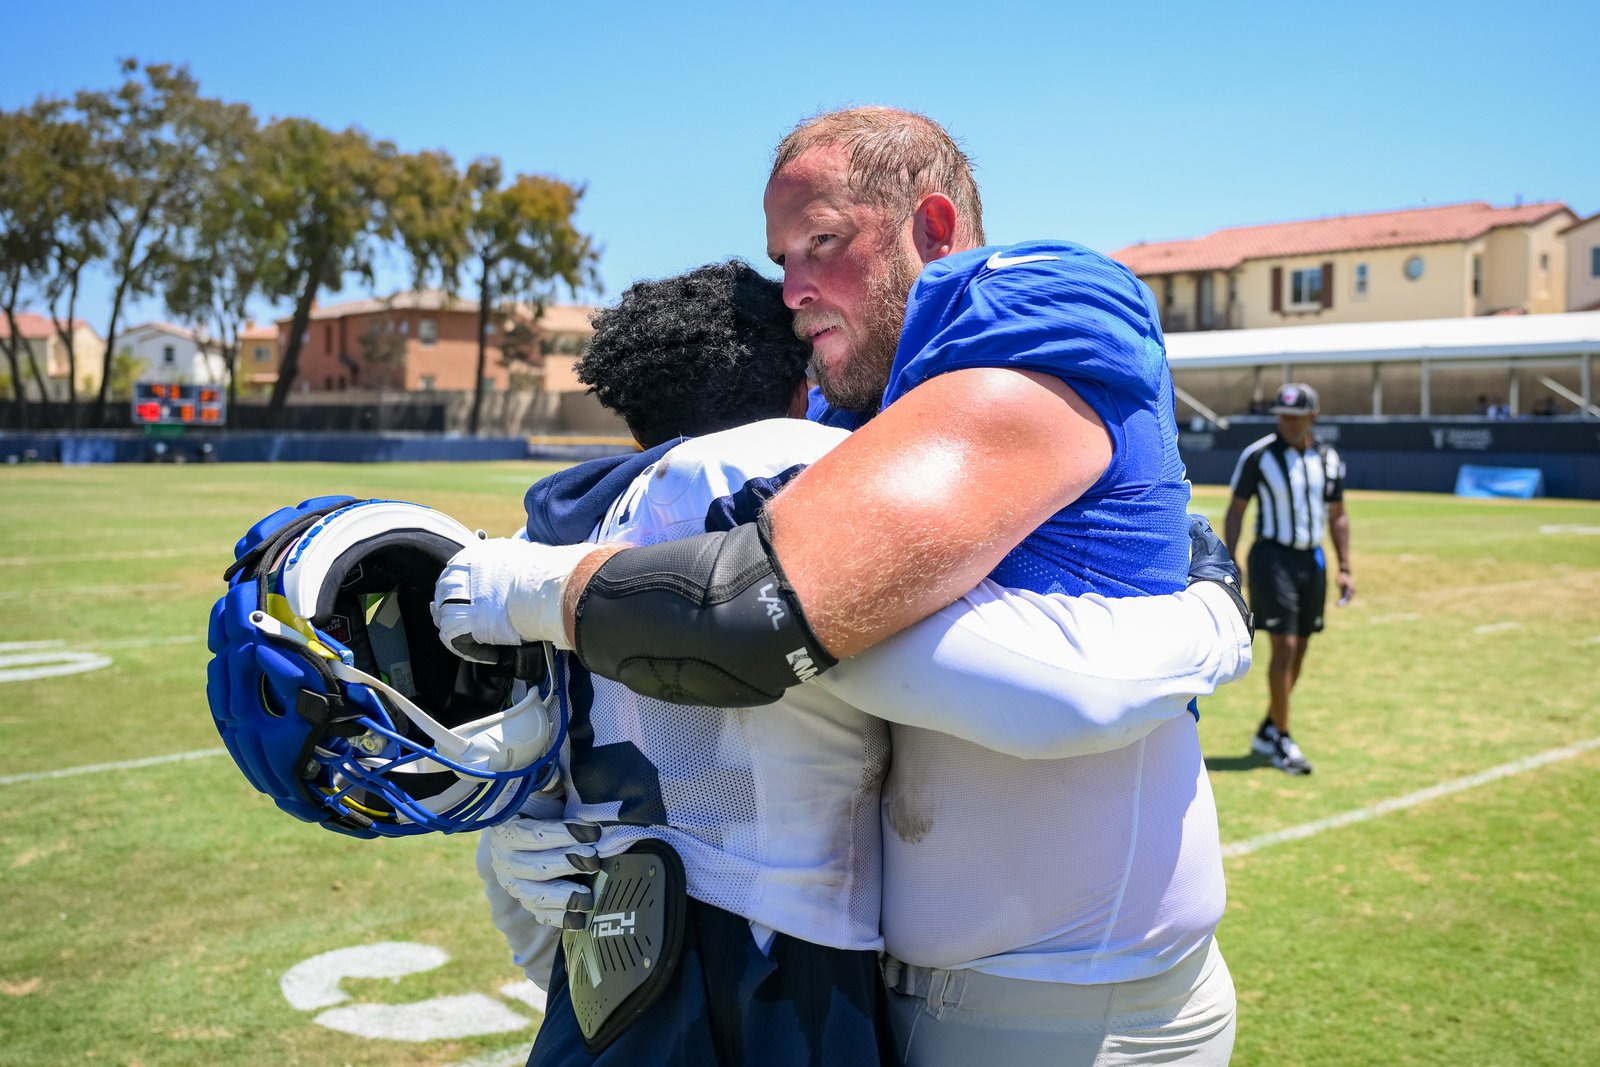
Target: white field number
{"x": 23, "y": 661}
{"x": 313, "y": 985}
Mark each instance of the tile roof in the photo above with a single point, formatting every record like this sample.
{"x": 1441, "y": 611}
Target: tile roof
{"x": 1575, "y": 225}
{"x": 557, "y": 318}
{"x": 1226, "y": 249}
{"x": 33, "y": 326}
{"x": 160, "y": 327}
{"x": 421, "y": 300}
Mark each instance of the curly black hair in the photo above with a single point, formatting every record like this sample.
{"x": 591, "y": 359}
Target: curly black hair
{"x": 699, "y": 352}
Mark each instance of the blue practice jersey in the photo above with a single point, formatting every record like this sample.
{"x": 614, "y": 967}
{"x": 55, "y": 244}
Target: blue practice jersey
{"x": 1061, "y": 309}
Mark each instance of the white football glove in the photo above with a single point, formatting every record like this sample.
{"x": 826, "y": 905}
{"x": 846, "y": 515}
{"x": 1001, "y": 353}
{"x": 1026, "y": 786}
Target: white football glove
{"x": 503, "y": 591}
{"x": 534, "y": 855}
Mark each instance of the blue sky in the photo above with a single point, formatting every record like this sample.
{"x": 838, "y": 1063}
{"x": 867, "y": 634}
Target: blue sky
{"x": 1101, "y": 123}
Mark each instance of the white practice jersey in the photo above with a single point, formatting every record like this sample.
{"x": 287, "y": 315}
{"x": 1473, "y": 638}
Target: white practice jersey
{"x": 1103, "y": 867}
{"x": 774, "y": 809}
{"x": 1022, "y": 725}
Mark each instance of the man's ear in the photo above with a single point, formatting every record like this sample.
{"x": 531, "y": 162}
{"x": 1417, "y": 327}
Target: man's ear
{"x": 933, "y": 227}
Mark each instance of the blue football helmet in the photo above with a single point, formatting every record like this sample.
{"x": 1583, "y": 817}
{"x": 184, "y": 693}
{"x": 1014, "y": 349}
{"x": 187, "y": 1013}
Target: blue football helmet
{"x": 335, "y": 696}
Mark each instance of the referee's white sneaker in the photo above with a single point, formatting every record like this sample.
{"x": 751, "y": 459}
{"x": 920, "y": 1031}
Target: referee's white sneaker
{"x": 1285, "y": 754}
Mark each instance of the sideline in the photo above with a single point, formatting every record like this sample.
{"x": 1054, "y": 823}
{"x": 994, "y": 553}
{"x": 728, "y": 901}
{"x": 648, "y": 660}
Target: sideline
{"x": 1410, "y": 800}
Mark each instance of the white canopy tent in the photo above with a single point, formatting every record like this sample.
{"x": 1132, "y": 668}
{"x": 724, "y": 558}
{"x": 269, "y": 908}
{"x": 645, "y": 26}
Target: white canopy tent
{"x": 1526, "y": 341}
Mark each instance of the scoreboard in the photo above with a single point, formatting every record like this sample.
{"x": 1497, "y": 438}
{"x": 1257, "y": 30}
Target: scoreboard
{"x": 176, "y": 404}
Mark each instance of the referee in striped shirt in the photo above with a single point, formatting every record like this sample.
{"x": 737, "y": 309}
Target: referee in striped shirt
{"x": 1298, "y": 484}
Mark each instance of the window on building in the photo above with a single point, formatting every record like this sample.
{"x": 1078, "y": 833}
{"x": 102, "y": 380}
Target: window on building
{"x": 169, "y": 355}
{"x": 1594, "y": 262}
{"x": 1361, "y": 279}
{"x": 1414, "y": 268}
{"x": 1166, "y": 293}
{"x": 327, "y": 383}
{"x": 1477, "y": 275}
{"x": 428, "y": 332}
{"x": 488, "y": 384}
{"x": 1305, "y": 287}
{"x": 1544, "y": 262}
{"x": 263, "y": 353}
{"x": 428, "y": 383}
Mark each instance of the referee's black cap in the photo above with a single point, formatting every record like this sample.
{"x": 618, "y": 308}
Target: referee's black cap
{"x": 1295, "y": 398}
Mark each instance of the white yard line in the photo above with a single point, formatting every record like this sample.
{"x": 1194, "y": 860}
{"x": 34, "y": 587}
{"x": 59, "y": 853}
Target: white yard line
{"x": 1410, "y": 800}
{"x": 87, "y": 590}
{"x": 97, "y": 557}
{"x": 119, "y": 642}
{"x": 1230, "y": 850}
{"x": 146, "y": 642}
{"x": 96, "y": 768}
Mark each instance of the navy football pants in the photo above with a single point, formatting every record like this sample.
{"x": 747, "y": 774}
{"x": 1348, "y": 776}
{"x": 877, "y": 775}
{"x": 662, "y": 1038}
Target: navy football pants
{"x": 801, "y": 1005}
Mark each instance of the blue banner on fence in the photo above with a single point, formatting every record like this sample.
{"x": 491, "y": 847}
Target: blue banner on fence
{"x": 1521, "y": 482}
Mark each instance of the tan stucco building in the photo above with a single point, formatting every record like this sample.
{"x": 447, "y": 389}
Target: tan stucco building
{"x": 39, "y": 341}
{"x": 1455, "y": 261}
{"x": 257, "y": 361}
{"x": 1583, "y": 264}
{"x": 421, "y": 342}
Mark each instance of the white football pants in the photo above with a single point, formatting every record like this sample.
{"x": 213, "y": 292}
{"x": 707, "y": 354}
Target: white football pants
{"x": 964, "y": 1018}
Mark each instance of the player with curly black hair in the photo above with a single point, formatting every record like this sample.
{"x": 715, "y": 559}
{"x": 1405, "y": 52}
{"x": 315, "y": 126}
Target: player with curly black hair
{"x": 703, "y": 351}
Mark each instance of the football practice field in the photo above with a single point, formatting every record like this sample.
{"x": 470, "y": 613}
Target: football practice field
{"x": 1431, "y": 895}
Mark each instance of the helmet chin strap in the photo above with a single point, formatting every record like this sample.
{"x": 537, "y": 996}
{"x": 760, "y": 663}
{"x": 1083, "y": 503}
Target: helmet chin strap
{"x": 505, "y": 741}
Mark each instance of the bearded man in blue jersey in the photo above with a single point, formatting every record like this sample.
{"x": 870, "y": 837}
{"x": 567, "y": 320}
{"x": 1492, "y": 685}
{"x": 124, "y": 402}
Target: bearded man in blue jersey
{"x": 1018, "y": 425}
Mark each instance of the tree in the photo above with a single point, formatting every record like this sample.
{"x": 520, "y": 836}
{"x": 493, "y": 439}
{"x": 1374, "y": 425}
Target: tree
{"x": 519, "y": 241}
{"x": 523, "y": 241}
{"x": 125, "y": 371}
{"x": 521, "y": 352}
{"x": 150, "y": 145}
{"x": 383, "y": 342}
{"x": 80, "y": 194}
{"x": 325, "y": 189}
{"x": 27, "y": 181}
{"x": 215, "y": 272}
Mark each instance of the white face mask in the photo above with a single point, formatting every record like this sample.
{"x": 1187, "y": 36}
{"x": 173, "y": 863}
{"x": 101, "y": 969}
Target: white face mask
{"x": 504, "y": 741}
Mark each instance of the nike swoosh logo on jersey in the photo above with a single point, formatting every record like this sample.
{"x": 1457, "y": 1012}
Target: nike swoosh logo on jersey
{"x": 998, "y": 261}
{"x": 1272, "y": 622}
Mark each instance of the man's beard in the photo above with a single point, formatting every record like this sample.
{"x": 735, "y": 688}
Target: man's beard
{"x": 859, "y": 384}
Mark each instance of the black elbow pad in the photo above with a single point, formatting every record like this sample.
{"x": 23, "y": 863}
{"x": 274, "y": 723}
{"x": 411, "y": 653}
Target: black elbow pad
{"x": 705, "y": 620}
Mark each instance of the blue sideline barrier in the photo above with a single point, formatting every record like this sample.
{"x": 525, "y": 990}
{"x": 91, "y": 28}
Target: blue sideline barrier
{"x": 1523, "y": 483}
{"x": 75, "y": 449}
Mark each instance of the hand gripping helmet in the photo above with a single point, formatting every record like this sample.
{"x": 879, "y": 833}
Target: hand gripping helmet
{"x": 335, "y": 696}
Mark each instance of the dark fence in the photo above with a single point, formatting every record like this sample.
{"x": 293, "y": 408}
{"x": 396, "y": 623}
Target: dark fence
{"x": 1421, "y": 455}
{"x": 398, "y": 417}
{"x": 1411, "y": 455}
{"x": 245, "y": 447}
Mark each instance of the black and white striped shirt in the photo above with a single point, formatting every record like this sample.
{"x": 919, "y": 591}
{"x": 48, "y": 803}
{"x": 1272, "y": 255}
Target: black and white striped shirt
{"x": 1292, "y": 489}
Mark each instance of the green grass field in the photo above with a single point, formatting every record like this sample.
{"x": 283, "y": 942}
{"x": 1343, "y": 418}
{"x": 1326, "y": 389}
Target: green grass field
{"x": 147, "y": 913}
